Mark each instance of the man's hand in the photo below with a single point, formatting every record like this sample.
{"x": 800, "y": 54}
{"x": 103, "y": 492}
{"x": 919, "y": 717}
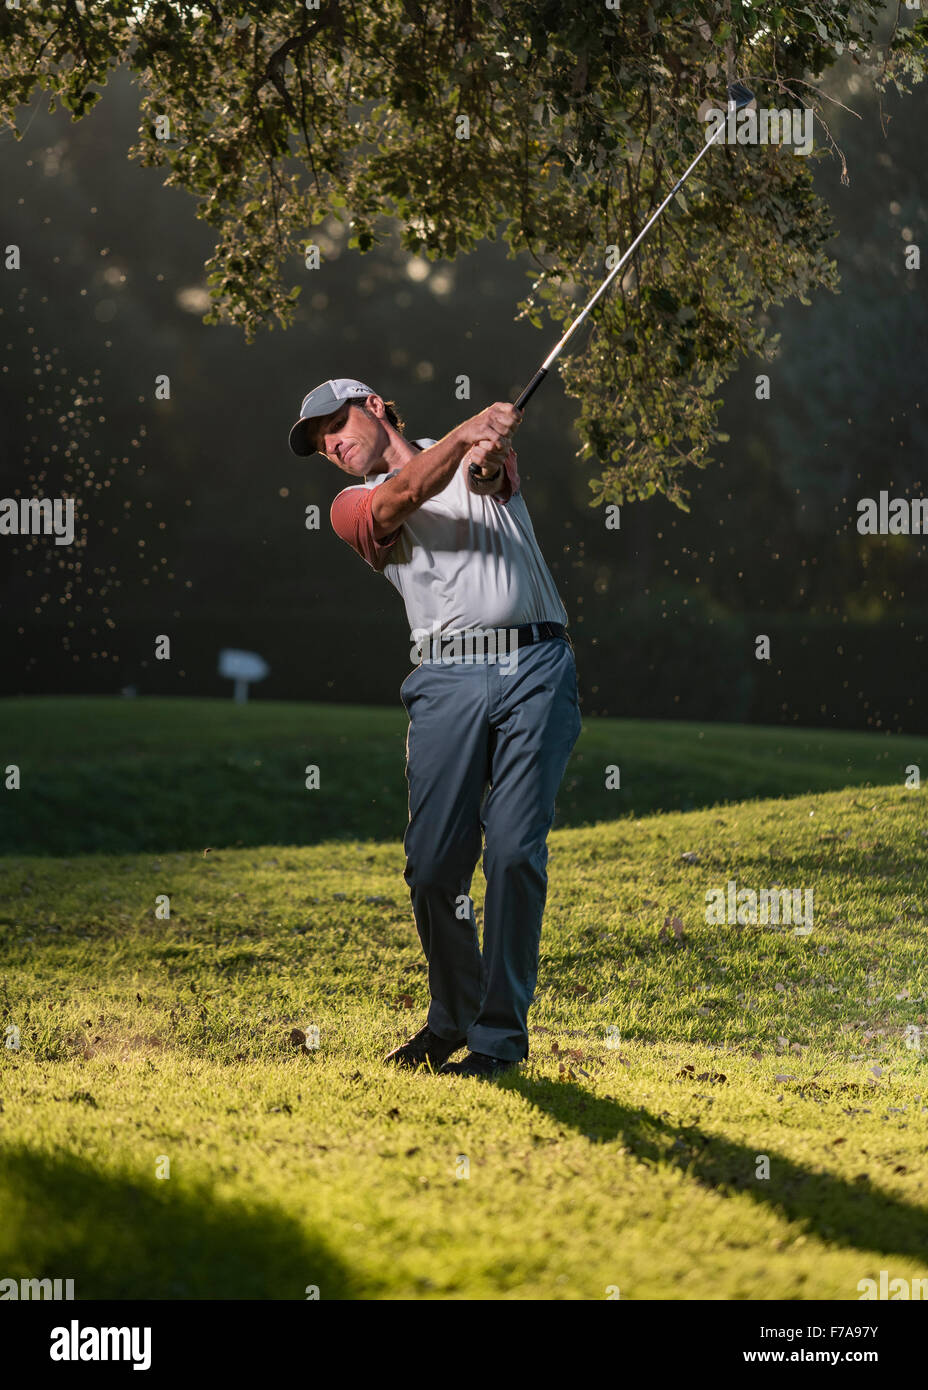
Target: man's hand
{"x": 493, "y": 427}
{"x": 483, "y": 475}
{"x": 485, "y": 459}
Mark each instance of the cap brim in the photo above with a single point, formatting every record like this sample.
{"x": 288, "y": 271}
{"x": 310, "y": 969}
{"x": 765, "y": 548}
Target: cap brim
{"x": 300, "y": 441}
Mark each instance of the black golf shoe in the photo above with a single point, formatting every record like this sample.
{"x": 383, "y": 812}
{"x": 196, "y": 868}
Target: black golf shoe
{"x": 425, "y": 1048}
{"x": 478, "y": 1064}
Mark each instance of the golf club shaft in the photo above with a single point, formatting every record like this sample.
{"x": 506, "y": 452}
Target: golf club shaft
{"x": 542, "y": 372}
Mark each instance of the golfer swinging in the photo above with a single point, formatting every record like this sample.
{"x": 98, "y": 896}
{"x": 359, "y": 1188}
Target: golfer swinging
{"x": 490, "y": 731}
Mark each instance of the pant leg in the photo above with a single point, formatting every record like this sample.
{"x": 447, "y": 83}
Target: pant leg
{"x": 447, "y": 768}
{"x": 535, "y": 722}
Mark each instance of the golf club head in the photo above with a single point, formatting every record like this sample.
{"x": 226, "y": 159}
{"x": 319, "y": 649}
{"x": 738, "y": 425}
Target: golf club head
{"x": 740, "y": 97}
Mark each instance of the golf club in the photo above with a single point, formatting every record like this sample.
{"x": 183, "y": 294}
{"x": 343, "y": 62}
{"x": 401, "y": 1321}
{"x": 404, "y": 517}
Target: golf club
{"x": 739, "y": 97}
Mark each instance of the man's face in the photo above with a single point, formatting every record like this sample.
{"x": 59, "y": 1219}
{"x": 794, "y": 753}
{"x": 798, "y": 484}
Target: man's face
{"x": 351, "y": 438}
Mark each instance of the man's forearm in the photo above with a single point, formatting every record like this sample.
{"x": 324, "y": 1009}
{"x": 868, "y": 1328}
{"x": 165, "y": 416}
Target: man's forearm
{"x": 421, "y": 478}
{"x": 431, "y": 471}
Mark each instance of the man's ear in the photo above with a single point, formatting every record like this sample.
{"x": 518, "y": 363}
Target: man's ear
{"x": 377, "y": 406}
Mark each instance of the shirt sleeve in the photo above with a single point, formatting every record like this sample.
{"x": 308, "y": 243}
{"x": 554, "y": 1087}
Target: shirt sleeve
{"x": 353, "y": 520}
{"x": 511, "y": 482}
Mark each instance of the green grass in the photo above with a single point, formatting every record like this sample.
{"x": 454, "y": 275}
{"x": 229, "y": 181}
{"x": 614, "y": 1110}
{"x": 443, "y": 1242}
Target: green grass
{"x": 117, "y": 776}
{"x": 144, "y": 1040}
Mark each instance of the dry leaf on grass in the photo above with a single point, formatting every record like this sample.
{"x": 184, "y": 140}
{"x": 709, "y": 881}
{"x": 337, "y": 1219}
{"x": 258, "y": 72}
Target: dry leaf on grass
{"x": 676, "y": 924}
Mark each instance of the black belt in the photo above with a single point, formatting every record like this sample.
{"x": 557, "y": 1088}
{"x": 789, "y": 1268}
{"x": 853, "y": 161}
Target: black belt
{"x": 526, "y": 633}
{"x": 523, "y": 636}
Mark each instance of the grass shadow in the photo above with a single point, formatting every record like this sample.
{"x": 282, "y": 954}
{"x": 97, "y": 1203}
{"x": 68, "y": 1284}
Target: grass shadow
{"x": 122, "y": 1236}
{"x": 855, "y": 1214}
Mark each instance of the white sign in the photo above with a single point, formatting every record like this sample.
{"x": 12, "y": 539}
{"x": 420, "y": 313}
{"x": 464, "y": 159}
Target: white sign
{"x": 242, "y": 667}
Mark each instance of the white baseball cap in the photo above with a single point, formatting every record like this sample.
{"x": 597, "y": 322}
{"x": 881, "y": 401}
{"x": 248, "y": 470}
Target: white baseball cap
{"x": 323, "y": 401}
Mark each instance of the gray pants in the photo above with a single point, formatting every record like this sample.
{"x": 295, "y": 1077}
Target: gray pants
{"x": 486, "y": 748}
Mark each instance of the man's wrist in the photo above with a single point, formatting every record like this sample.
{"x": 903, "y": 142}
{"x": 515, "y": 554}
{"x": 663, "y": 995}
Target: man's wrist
{"x": 461, "y": 438}
{"x": 485, "y": 485}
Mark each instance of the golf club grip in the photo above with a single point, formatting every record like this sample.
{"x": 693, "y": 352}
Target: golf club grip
{"x": 531, "y": 388}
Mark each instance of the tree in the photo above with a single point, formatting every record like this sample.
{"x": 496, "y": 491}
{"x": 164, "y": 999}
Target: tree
{"x": 559, "y": 126}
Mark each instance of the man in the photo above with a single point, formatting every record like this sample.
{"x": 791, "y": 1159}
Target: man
{"x": 490, "y": 731}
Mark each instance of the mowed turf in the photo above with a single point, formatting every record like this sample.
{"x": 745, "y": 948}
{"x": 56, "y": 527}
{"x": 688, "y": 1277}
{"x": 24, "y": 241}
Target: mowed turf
{"x": 105, "y": 775}
{"x": 713, "y": 1110}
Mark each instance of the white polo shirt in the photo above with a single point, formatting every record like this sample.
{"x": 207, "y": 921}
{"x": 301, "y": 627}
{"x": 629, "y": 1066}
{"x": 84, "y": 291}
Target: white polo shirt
{"x": 461, "y": 561}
